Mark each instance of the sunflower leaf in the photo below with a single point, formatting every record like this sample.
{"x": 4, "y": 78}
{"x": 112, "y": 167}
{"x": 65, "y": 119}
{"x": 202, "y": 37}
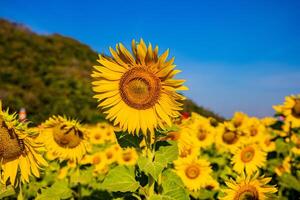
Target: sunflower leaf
{"x": 120, "y": 179}
{"x": 150, "y": 167}
{"x": 59, "y": 190}
{"x": 290, "y": 181}
{"x": 160, "y": 197}
{"x": 6, "y": 191}
{"x": 173, "y": 186}
{"x": 166, "y": 154}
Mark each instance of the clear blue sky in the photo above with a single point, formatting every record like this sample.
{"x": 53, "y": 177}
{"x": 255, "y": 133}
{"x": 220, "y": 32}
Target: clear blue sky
{"x": 236, "y": 55}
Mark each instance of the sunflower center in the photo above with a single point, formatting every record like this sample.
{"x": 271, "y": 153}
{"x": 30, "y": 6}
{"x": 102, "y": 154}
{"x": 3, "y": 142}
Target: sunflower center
{"x": 192, "y": 171}
{"x": 201, "y": 134}
{"x": 247, "y": 192}
{"x": 140, "y": 88}
{"x": 238, "y": 122}
{"x": 296, "y": 109}
{"x": 109, "y": 155}
{"x": 127, "y": 156}
{"x": 97, "y": 136}
{"x": 247, "y": 154}
{"x": 253, "y": 131}
{"x": 67, "y": 138}
{"x": 96, "y": 160}
{"x": 230, "y": 137}
{"x": 10, "y": 145}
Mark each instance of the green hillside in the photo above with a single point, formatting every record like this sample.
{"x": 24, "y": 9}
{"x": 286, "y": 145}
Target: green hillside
{"x": 49, "y": 74}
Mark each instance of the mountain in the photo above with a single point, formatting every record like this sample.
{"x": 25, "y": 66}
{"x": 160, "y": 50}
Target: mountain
{"x": 49, "y": 74}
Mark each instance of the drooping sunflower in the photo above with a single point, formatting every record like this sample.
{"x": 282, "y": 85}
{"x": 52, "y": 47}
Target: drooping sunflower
{"x": 248, "y": 158}
{"x": 138, "y": 91}
{"x": 291, "y": 110}
{"x": 249, "y": 187}
{"x": 194, "y": 173}
{"x": 65, "y": 138}
{"x": 19, "y": 151}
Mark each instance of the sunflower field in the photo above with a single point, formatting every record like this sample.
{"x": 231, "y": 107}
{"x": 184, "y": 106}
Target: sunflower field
{"x": 147, "y": 148}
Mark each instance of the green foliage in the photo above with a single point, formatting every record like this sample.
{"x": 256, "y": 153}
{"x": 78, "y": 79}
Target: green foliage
{"x": 122, "y": 179}
{"x": 46, "y": 74}
{"x": 59, "y": 190}
{"x": 173, "y": 186}
{"x": 162, "y": 157}
{"x": 6, "y": 191}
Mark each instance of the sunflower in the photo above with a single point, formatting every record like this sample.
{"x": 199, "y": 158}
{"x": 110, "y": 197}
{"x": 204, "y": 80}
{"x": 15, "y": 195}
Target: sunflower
{"x": 291, "y": 110}
{"x": 296, "y": 140}
{"x": 249, "y": 158}
{"x": 111, "y": 154}
{"x": 227, "y": 137}
{"x": 212, "y": 184}
{"x": 239, "y": 119}
{"x": 285, "y": 167}
{"x": 254, "y": 129}
{"x": 99, "y": 161}
{"x": 267, "y": 144}
{"x": 249, "y": 187}
{"x": 201, "y": 130}
{"x": 132, "y": 88}
{"x": 193, "y": 172}
{"x": 127, "y": 156}
{"x": 19, "y": 151}
{"x": 65, "y": 138}
{"x": 96, "y": 135}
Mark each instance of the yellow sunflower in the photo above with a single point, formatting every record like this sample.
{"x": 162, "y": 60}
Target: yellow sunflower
{"x": 111, "y": 154}
{"x": 249, "y": 187}
{"x": 19, "y": 151}
{"x": 188, "y": 150}
{"x": 202, "y": 132}
{"x": 99, "y": 161}
{"x": 227, "y": 137}
{"x": 248, "y": 158}
{"x": 96, "y": 135}
{"x": 254, "y": 129}
{"x": 132, "y": 88}
{"x": 291, "y": 110}
{"x": 193, "y": 172}
{"x": 65, "y": 138}
{"x": 285, "y": 167}
{"x": 267, "y": 144}
{"x": 239, "y": 119}
{"x": 296, "y": 140}
{"x": 127, "y": 156}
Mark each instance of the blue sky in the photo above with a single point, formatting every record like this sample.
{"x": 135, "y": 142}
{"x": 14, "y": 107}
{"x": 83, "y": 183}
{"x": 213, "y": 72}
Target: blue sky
{"x": 235, "y": 55}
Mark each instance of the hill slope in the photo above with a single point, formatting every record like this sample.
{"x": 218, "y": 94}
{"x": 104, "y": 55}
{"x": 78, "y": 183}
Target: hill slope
{"x": 48, "y": 74}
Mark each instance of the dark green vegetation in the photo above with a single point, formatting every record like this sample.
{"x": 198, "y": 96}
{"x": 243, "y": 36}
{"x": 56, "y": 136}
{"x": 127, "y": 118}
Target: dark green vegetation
{"x": 49, "y": 74}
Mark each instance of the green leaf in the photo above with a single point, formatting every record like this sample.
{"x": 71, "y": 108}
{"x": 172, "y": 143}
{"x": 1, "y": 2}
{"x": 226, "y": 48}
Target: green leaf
{"x": 59, "y": 190}
{"x": 150, "y": 167}
{"x": 289, "y": 181}
{"x": 121, "y": 178}
{"x": 6, "y": 191}
{"x": 167, "y": 154}
{"x": 160, "y": 197}
{"x": 128, "y": 140}
{"x": 281, "y": 146}
{"x": 173, "y": 187}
